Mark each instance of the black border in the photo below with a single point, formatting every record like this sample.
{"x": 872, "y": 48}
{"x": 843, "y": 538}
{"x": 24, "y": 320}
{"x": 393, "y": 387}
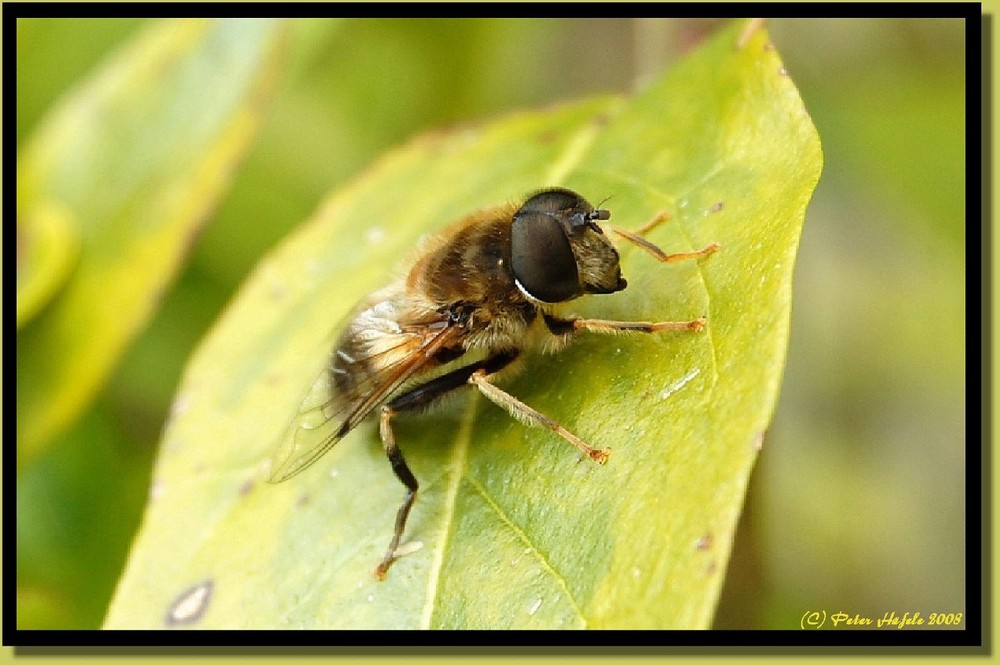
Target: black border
{"x": 976, "y": 639}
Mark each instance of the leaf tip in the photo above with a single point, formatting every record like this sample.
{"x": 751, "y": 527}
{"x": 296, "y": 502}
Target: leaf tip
{"x": 749, "y": 30}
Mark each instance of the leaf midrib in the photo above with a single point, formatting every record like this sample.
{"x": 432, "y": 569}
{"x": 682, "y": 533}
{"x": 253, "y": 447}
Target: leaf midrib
{"x": 458, "y": 465}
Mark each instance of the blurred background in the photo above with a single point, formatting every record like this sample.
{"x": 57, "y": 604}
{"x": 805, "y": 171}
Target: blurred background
{"x": 858, "y": 499}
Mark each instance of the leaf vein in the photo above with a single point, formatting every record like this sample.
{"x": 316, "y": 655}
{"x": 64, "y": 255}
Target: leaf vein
{"x": 458, "y": 462}
{"x": 578, "y": 145}
{"x": 519, "y": 532}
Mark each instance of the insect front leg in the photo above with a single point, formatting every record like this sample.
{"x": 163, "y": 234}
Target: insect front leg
{"x": 635, "y": 237}
{"x": 559, "y": 326}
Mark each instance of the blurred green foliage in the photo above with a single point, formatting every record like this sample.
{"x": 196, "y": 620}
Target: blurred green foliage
{"x": 858, "y": 498}
{"x": 124, "y": 171}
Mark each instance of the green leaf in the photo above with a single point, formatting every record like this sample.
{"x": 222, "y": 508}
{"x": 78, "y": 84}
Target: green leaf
{"x": 516, "y": 532}
{"x": 124, "y": 171}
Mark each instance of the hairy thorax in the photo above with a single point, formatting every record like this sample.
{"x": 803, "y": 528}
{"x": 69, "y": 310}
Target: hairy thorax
{"x": 462, "y": 279}
{"x": 469, "y": 275}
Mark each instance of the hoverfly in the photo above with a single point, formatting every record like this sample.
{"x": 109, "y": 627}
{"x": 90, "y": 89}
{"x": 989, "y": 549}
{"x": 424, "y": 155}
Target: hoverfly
{"x": 461, "y": 315}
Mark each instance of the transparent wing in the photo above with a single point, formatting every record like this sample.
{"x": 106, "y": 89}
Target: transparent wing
{"x": 327, "y": 415}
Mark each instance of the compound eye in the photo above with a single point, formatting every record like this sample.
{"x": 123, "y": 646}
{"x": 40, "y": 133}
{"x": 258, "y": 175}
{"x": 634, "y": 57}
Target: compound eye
{"x": 555, "y": 200}
{"x": 541, "y": 258}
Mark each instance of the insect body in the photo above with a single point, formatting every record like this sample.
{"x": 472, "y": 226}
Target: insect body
{"x": 463, "y": 313}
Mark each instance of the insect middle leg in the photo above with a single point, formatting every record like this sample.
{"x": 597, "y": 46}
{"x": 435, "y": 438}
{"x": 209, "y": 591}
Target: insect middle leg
{"x": 559, "y": 326}
{"x": 529, "y": 416}
{"x": 412, "y": 400}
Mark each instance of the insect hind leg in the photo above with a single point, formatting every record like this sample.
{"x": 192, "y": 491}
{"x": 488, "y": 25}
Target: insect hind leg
{"x": 427, "y": 393}
{"x": 416, "y": 399}
{"x": 406, "y": 477}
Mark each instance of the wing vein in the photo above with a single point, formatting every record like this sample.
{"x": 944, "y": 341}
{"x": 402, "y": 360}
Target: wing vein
{"x": 348, "y": 410}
